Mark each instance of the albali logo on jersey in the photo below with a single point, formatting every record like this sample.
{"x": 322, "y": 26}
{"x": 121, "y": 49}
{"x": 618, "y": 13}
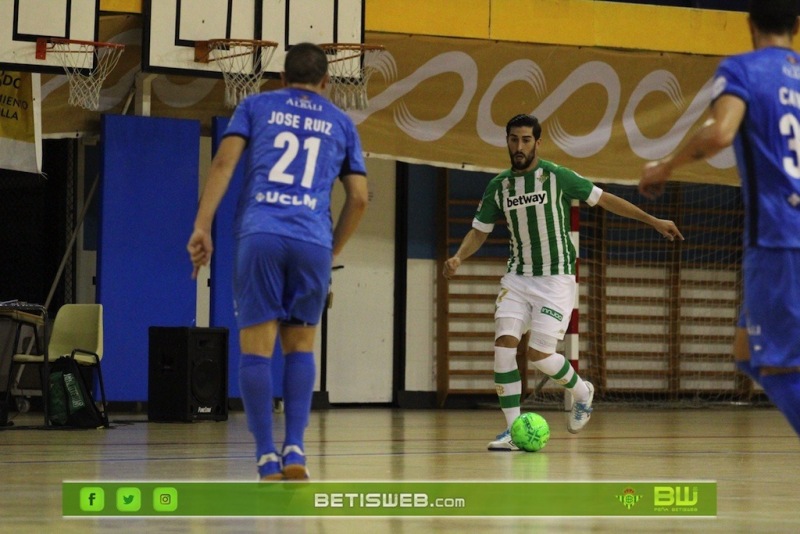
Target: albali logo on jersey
{"x": 666, "y": 498}
{"x": 303, "y": 102}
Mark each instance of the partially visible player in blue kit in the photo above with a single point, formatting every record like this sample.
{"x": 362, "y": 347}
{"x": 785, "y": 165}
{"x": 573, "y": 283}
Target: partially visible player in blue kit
{"x": 756, "y": 107}
{"x": 298, "y": 144}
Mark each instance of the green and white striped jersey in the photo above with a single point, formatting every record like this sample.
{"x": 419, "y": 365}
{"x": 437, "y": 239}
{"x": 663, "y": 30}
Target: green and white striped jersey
{"x": 536, "y": 206}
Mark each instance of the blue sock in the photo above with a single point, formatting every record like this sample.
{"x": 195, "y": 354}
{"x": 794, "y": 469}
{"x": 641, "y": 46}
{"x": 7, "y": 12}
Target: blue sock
{"x": 255, "y": 383}
{"x": 784, "y": 392}
{"x": 298, "y": 388}
{"x": 747, "y": 368}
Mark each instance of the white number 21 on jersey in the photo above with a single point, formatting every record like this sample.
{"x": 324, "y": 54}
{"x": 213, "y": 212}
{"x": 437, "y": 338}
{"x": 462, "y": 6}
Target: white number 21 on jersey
{"x": 291, "y": 148}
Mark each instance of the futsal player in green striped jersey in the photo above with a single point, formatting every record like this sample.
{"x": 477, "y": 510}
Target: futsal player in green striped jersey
{"x": 538, "y": 291}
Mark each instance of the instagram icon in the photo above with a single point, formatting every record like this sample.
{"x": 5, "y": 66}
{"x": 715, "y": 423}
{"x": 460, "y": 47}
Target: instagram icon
{"x": 165, "y": 499}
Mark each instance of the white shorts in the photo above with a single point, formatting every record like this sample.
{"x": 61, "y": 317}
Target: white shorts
{"x": 544, "y": 303}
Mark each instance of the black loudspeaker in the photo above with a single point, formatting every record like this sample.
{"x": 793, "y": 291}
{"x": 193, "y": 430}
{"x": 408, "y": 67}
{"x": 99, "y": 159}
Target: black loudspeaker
{"x": 4, "y": 412}
{"x": 188, "y": 374}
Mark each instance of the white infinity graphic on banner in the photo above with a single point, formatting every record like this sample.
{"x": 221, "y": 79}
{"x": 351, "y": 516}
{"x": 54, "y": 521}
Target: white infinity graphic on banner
{"x": 455, "y": 62}
{"x": 527, "y": 71}
{"x": 665, "y": 82}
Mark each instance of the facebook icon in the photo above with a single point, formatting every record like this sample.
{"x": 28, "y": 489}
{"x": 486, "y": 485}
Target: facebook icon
{"x": 92, "y": 499}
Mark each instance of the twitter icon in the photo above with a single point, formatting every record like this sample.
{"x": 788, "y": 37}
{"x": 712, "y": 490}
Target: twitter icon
{"x": 129, "y": 499}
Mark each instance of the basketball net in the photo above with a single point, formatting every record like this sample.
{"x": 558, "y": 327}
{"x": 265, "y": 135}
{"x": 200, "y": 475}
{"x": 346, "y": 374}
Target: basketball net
{"x": 350, "y": 66}
{"x": 86, "y": 64}
{"x": 242, "y": 63}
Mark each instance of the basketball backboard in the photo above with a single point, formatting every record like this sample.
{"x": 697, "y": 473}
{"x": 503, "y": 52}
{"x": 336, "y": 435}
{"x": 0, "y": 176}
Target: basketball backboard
{"x": 22, "y": 22}
{"x": 173, "y": 26}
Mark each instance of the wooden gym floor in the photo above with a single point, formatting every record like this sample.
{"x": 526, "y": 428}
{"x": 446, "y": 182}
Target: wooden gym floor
{"x": 752, "y": 453}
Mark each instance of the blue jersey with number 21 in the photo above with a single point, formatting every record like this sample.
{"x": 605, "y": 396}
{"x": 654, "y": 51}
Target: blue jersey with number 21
{"x": 768, "y": 143}
{"x": 298, "y": 143}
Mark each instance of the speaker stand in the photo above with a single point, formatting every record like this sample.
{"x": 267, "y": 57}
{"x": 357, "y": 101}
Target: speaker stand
{"x": 319, "y": 401}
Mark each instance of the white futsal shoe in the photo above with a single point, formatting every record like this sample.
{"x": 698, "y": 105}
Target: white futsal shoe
{"x": 581, "y": 412}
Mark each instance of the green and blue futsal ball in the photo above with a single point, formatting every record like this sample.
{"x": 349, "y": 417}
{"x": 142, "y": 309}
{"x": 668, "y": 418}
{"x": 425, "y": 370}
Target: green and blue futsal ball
{"x": 530, "y": 432}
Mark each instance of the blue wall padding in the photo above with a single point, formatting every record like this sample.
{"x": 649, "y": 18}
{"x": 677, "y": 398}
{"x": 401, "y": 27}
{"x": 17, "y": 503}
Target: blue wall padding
{"x": 148, "y": 199}
{"x": 422, "y": 212}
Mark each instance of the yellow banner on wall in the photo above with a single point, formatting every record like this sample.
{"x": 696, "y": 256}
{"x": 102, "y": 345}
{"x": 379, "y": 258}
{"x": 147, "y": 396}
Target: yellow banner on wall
{"x": 20, "y": 122}
{"x": 604, "y": 112}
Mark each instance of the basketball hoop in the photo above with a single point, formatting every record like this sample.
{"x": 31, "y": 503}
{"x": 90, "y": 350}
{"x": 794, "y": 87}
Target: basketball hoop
{"x": 242, "y": 62}
{"x": 350, "y": 66}
{"x": 86, "y": 64}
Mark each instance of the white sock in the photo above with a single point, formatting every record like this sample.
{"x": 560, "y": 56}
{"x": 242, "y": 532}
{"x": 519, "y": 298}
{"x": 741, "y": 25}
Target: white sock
{"x": 507, "y": 382}
{"x": 560, "y": 370}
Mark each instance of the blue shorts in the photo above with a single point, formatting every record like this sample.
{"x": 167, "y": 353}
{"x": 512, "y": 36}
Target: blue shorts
{"x": 772, "y": 305}
{"x": 280, "y": 278}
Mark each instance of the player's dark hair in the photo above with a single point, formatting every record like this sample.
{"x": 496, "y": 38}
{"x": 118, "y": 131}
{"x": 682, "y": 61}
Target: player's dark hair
{"x": 774, "y": 16}
{"x": 305, "y": 63}
{"x": 525, "y": 120}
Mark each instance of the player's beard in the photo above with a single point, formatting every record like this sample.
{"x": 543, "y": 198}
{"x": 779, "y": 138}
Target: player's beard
{"x": 521, "y": 164}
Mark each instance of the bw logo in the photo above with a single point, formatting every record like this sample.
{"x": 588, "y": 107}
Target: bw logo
{"x": 674, "y": 496}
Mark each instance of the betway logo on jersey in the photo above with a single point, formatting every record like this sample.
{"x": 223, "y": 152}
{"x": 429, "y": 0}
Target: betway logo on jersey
{"x": 526, "y": 199}
{"x": 303, "y": 103}
{"x": 273, "y": 197}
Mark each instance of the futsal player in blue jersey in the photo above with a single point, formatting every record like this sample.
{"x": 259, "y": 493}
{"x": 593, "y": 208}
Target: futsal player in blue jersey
{"x": 298, "y": 144}
{"x": 756, "y": 107}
